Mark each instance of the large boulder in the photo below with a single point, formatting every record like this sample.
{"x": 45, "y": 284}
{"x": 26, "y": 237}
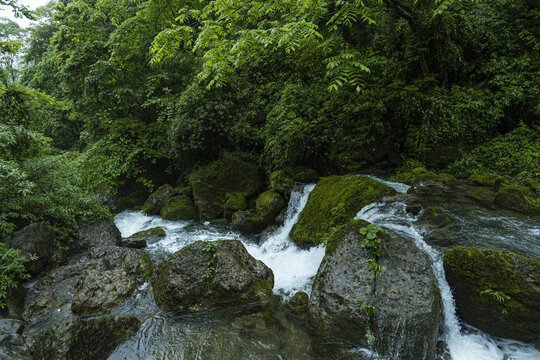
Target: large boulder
{"x": 212, "y": 184}
{"x": 140, "y": 239}
{"x": 85, "y": 338}
{"x": 179, "y": 207}
{"x": 101, "y": 233}
{"x": 380, "y": 294}
{"x": 519, "y": 198}
{"x": 496, "y": 291}
{"x": 211, "y": 274}
{"x": 157, "y": 199}
{"x": 35, "y": 239}
{"x": 105, "y": 278}
{"x": 333, "y": 202}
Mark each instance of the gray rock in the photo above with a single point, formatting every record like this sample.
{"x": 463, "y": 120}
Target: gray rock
{"x": 35, "y": 239}
{"x": 89, "y": 338}
{"x": 101, "y": 290}
{"x": 157, "y": 199}
{"x": 101, "y": 233}
{"x": 141, "y": 238}
{"x": 400, "y": 307}
{"x": 12, "y": 344}
{"x": 217, "y": 273}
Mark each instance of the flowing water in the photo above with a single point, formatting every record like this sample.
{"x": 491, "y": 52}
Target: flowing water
{"x": 233, "y": 335}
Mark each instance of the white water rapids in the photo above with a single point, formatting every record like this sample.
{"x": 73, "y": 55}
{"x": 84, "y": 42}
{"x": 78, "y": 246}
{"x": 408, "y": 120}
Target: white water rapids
{"x": 294, "y": 268}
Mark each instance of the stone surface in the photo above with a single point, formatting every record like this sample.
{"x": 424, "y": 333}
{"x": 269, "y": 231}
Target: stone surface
{"x": 12, "y": 344}
{"x": 403, "y": 302}
{"x": 248, "y": 222}
{"x": 496, "y": 291}
{"x": 283, "y": 180}
{"x": 211, "y": 274}
{"x": 135, "y": 199}
{"x": 34, "y": 239}
{"x": 179, "y": 207}
{"x": 101, "y": 233}
{"x": 235, "y": 202}
{"x": 212, "y": 183}
{"x": 141, "y": 238}
{"x": 519, "y": 198}
{"x": 85, "y": 338}
{"x": 157, "y": 199}
{"x": 334, "y": 201}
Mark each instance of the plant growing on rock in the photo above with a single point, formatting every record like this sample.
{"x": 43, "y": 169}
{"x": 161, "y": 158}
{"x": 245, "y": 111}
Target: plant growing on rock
{"x": 371, "y": 241}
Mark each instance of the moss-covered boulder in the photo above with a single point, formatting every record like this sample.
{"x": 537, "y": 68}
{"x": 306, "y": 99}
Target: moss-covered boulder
{"x": 140, "y": 239}
{"x": 85, "y": 338}
{"x": 269, "y": 204}
{"x": 248, "y": 222}
{"x": 435, "y": 217}
{"x": 484, "y": 179}
{"x": 381, "y": 294}
{"x": 179, "y": 208}
{"x": 135, "y": 199}
{"x": 283, "y": 180}
{"x": 333, "y": 202}
{"x": 519, "y": 198}
{"x": 420, "y": 174}
{"x": 211, "y": 185}
{"x": 496, "y": 291}
{"x": 207, "y": 274}
{"x": 235, "y": 202}
{"x": 157, "y": 199}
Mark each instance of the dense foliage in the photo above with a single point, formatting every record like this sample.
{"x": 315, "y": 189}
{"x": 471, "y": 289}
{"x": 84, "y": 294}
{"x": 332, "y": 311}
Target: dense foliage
{"x": 107, "y": 96}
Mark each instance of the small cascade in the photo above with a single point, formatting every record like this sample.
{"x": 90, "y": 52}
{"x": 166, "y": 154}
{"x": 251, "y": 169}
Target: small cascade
{"x": 293, "y": 267}
{"x": 464, "y": 342}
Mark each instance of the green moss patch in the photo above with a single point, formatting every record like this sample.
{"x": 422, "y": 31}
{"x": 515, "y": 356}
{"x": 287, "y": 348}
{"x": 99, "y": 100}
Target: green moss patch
{"x": 179, "y": 208}
{"x": 334, "y": 201}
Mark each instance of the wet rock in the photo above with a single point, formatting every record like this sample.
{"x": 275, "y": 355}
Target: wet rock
{"x": 443, "y": 352}
{"x": 212, "y": 183}
{"x": 89, "y": 338}
{"x": 299, "y": 304}
{"x": 101, "y": 233}
{"x": 269, "y": 204}
{"x": 141, "y": 238}
{"x": 12, "y": 344}
{"x": 333, "y": 202}
{"x": 235, "y": 202}
{"x": 157, "y": 199}
{"x": 211, "y": 273}
{"x": 98, "y": 291}
{"x": 436, "y": 224}
{"x": 403, "y": 302}
{"x": 414, "y": 208}
{"x": 496, "y": 291}
{"x": 179, "y": 208}
{"x": 284, "y": 180}
{"x": 484, "y": 179}
{"x": 248, "y": 222}
{"x": 519, "y": 198}
{"x": 35, "y": 239}
{"x": 133, "y": 200}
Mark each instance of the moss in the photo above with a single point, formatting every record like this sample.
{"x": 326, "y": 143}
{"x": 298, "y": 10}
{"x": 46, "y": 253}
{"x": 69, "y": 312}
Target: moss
{"x": 235, "y": 201}
{"x": 148, "y": 269}
{"x": 260, "y": 289}
{"x": 496, "y": 290}
{"x": 484, "y": 179}
{"x": 269, "y": 204}
{"x": 157, "y": 199}
{"x": 212, "y": 183}
{"x": 435, "y": 216}
{"x": 270, "y": 320}
{"x": 518, "y": 197}
{"x": 419, "y": 174}
{"x": 132, "y": 200}
{"x": 179, "y": 208}
{"x": 334, "y": 201}
{"x": 283, "y": 180}
{"x": 337, "y": 237}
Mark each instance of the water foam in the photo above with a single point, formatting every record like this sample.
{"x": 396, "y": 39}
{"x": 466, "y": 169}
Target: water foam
{"x": 293, "y": 267}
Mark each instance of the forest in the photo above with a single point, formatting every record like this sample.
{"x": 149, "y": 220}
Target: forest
{"x": 108, "y": 104}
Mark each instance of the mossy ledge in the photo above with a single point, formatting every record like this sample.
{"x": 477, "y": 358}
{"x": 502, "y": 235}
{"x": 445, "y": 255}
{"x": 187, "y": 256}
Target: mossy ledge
{"x": 333, "y": 202}
{"x": 496, "y": 291}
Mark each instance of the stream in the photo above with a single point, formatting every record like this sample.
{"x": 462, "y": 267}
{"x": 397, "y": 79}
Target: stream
{"x": 232, "y": 335}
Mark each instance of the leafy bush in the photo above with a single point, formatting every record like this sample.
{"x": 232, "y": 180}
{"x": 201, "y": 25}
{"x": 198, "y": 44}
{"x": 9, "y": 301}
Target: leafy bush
{"x": 11, "y": 269}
